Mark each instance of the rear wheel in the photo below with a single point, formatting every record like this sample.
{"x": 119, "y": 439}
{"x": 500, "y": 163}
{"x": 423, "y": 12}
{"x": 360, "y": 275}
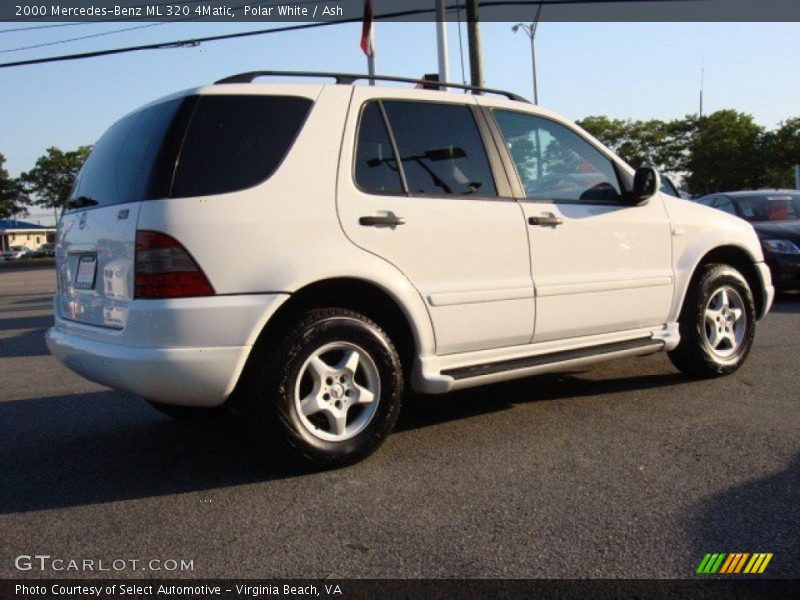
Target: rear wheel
{"x": 717, "y": 323}
{"x": 329, "y": 391}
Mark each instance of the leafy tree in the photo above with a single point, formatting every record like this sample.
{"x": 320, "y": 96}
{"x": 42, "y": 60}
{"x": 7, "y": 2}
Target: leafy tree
{"x": 726, "y": 153}
{"x": 12, "y": 201}
{"x": 50, "y": 181}
{"x": 782, "y": 149}
{"x": 657, "y": 143}
{"x": 614, "y": 133}
{"x": 673, "y": 152}
{"x": 723, "y": 151}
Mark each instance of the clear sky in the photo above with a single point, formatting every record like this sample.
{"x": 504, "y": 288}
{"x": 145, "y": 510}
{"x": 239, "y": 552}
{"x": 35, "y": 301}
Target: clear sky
{"x": 625, "y": 70}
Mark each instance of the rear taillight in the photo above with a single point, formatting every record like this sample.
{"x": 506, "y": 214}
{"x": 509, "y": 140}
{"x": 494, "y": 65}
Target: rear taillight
{"x": 164, "y": 269}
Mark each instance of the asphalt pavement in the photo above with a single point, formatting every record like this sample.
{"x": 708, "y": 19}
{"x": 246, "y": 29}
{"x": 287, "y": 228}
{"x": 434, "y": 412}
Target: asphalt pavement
{"x": 623, "y": 470}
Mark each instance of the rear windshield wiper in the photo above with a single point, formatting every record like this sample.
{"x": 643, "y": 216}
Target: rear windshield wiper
{"x": 81, "y": 202}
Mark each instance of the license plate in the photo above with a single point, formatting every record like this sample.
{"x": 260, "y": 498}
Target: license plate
{"x": 87, "y": 269}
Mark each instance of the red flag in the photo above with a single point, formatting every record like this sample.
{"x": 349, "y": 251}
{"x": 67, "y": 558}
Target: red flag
{"x": 367, "y": 41}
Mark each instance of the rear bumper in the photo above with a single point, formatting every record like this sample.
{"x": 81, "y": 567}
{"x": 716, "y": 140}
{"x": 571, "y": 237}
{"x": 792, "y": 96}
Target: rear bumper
{"x": 189, "y": 376}
{"x": 194, "y": 356}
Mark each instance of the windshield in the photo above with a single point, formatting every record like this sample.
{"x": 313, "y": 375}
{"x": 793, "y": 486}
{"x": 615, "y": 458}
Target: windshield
{"x": 778, "y": 207}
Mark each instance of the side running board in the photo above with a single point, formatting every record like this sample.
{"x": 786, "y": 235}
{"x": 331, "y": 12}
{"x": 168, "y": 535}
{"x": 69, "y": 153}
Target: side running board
{"x": 553, "y": 357}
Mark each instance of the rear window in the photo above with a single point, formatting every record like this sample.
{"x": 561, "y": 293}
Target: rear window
{"x": 236, "y": 142}
{"x": 219, "y": 144}
{"x": 122, "y": 165}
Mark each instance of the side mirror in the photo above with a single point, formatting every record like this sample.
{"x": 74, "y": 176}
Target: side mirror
{"x": 646, "y": 182}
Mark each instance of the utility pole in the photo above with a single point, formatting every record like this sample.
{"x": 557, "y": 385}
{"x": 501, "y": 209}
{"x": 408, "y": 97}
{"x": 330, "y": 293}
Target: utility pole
{"x": 474, "y": 35}
{"x": 441, "y": 40}
{"x": 530, "y": 31}
{"x": 533, "y": 65}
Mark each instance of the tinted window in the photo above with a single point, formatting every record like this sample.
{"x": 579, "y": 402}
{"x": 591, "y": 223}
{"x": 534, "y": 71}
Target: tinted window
{"x": 773, "y": 207}
{"x": 235, "y": 142}
{"x": 554, "y": 162}
{"x": 376, "y": 164}
{"x": 440, "y": 149}
{"x": 123, "y": 164}
{"x": 725, "y": 204}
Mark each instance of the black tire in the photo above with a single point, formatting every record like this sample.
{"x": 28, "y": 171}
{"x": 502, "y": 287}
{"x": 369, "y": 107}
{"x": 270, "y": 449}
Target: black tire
{"x": 694, "y": 355}
{"x": 190, "y": 413}
{"x": 272, "y": 391}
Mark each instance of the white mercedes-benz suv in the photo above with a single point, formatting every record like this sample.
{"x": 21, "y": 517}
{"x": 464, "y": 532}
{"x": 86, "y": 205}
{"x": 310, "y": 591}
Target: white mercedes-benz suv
{"x": 306, "y": 251}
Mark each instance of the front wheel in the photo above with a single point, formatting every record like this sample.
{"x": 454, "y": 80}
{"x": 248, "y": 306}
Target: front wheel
{"x": 717, "y": 324}
{"x": 329, "y": 391}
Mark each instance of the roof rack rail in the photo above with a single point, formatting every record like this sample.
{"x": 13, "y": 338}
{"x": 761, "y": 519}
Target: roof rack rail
{"x": 350, "y": 78}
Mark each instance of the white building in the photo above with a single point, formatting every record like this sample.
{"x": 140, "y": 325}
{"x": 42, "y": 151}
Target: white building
{"x": 22, "y": 233}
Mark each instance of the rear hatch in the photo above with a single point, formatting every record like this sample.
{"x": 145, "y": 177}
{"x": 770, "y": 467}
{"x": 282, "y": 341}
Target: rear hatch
{"x": 95, "y": 244}
{"x": 179, "y": 148}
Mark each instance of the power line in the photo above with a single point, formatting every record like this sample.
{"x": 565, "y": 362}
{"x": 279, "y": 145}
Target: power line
{"x": 215, "y": 38}
{"x": 104, "y": 33}
{"x": 176, "y": 43}
{"x": 50, "y": 26}
{"x": 83, "y": 37}
{"x": 124, "y": 19}
{"x": 88, "y": 22}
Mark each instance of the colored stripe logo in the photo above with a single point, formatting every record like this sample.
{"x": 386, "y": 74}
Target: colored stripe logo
{"x": 734, "y": 563}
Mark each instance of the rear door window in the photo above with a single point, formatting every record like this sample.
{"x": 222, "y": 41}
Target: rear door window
{"x": 236, "y": 142}
{"x": 441, "y": 149}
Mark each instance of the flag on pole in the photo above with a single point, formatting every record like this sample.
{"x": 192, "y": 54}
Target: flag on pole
{"x": 367, "y": 33}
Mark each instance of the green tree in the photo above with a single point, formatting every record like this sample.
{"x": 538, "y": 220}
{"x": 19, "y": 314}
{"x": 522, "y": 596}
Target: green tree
{"x": 726, "y": 153}
{"x": 614, "y": 133}
{"x": 50, "y": 181}
{"x": 782, "y": 149}
{"x": 662, "y": 144}
{"x": 12, "y": 200}
{"x": 720, "y": 152}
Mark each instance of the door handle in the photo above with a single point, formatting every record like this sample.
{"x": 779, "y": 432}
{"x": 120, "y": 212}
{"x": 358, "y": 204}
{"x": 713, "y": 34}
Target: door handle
{"x": 545, "y": 220}
{"x": 390, "y": 220}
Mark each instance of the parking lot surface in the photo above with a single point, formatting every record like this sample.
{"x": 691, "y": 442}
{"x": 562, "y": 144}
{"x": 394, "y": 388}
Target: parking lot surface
{"x": 624, "y": 470}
